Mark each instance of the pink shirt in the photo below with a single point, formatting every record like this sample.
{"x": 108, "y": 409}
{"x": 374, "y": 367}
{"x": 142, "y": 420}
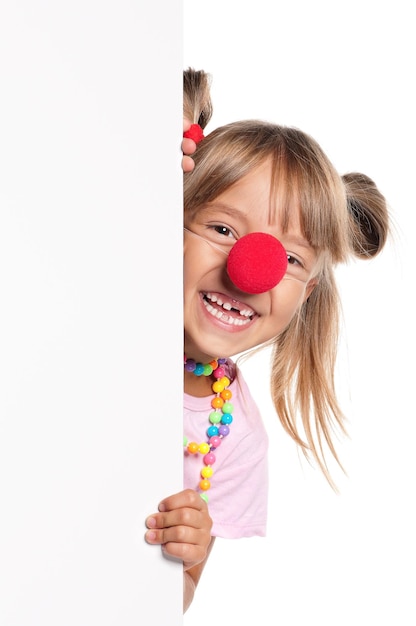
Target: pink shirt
{"x": 237, "y": 499}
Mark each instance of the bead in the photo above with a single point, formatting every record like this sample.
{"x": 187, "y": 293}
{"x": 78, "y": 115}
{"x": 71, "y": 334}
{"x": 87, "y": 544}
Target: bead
{"x": 199, "y": 369}
{"x": 207, "y": 472}
{"x": 223, "y": 430}
{"x": 227, "y": 407}
{"x": 219, "y": 418}
{"x": 215, "y": 417}
{"x": 190, "y": 365}
{"x": 215, "y": 442}
{"x": 203, "y": 448}
{"x": 210, "y": 458}
{"x": 217, "y": 386}
{"x": 217, "y": 402}
{"x": 219, "y": 372}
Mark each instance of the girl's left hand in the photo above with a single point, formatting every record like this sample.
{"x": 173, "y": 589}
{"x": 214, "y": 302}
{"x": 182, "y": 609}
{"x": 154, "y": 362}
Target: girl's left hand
{"x": 182, "y": 526}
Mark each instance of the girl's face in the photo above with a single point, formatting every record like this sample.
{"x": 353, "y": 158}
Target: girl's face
{"x": 220, "y": 320}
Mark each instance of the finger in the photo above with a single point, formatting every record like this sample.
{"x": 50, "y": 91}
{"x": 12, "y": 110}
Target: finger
{"x": 176, "y": 534}
{"x": 188, "y": 164}
{"x": 188, "y": 498}
{"x": 188, "y": 145}
{"x": 190, "y": 546}
{"x": 191, "y": 554}
{"x": 179, "y": 517}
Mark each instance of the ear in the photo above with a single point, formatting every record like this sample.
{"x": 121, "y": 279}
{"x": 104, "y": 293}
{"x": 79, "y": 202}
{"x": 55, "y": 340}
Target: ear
{"x": 310, "y": 286}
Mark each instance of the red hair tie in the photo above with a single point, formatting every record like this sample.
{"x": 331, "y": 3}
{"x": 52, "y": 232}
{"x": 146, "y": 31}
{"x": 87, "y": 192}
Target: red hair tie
{"x": 195, "y": 132}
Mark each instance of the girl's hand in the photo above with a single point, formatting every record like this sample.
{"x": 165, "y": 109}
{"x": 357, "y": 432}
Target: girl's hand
{"x": 188, "y": 147}
{"x": 182, "y": 527}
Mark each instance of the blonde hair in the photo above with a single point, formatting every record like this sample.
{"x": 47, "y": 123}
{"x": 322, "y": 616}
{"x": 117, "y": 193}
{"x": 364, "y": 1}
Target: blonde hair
{"x": 340, "y": 217}
{"x": 197, "y": 104}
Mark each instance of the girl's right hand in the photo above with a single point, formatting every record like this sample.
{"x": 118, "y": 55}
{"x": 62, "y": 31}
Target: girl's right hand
{"x": 188, "y": 147}
{"x": 182, "y": 526}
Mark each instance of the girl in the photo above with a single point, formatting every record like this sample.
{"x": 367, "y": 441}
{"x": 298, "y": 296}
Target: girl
{"x": 266, "y": 220}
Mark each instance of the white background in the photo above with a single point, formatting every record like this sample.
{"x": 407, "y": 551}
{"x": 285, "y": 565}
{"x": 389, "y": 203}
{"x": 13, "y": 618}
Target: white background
{"x": 90, "y": 311}
{"x": 343, "y": 72}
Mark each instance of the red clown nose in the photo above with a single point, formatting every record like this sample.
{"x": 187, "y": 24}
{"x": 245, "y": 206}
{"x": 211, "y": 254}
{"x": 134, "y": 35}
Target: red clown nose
{"x": 257, "y": 263}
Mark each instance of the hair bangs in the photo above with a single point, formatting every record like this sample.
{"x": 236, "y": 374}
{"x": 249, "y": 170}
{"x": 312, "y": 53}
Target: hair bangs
{"x": 304, "y": 184}
{"x": 305, "y": 187}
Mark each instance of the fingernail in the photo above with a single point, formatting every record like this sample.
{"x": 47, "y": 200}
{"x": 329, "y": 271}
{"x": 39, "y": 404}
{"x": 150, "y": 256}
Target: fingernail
{"x": 161, "y": 507}
{"x": 151, "y": 536}
{"x": 151, "y": 522}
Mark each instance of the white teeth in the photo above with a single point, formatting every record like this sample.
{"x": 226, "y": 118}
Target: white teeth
{"x": 219, "y": 314}
{"x": 230, "y": 305}
{"x": 214, "y": 298}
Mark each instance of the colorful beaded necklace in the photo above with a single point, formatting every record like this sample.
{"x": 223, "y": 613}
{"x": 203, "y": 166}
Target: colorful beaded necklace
{"x": 220, "y": 418}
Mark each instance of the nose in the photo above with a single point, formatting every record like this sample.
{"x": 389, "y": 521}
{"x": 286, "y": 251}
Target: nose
{"x": 257, "y": 263}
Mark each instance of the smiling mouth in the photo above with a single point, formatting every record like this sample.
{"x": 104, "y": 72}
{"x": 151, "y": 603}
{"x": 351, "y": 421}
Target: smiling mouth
{"x": 227, "y": 309}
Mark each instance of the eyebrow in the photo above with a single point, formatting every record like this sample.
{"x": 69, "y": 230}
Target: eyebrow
{"x": 226, "y": 208}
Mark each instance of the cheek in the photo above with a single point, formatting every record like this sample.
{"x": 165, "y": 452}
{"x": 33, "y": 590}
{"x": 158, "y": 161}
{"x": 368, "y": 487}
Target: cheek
{"x": 288, "y": 298}
{"x": 191, "y": 265}
{"x": 197, "y": 268}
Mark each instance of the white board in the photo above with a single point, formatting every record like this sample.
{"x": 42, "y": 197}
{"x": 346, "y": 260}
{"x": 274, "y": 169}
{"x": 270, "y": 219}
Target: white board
{"x": 90, "y": 310}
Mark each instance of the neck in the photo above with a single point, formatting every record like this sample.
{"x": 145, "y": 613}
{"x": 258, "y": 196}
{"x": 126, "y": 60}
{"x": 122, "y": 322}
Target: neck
{"x": 194, "y": 350}
{"x": 198, "y": 386}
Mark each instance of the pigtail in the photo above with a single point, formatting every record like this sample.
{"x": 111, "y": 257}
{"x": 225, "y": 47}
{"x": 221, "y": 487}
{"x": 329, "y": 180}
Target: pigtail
{"x": 302, "y": 377}
{"x": 368, "y": 215}
{"x": 197, "y": 104}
